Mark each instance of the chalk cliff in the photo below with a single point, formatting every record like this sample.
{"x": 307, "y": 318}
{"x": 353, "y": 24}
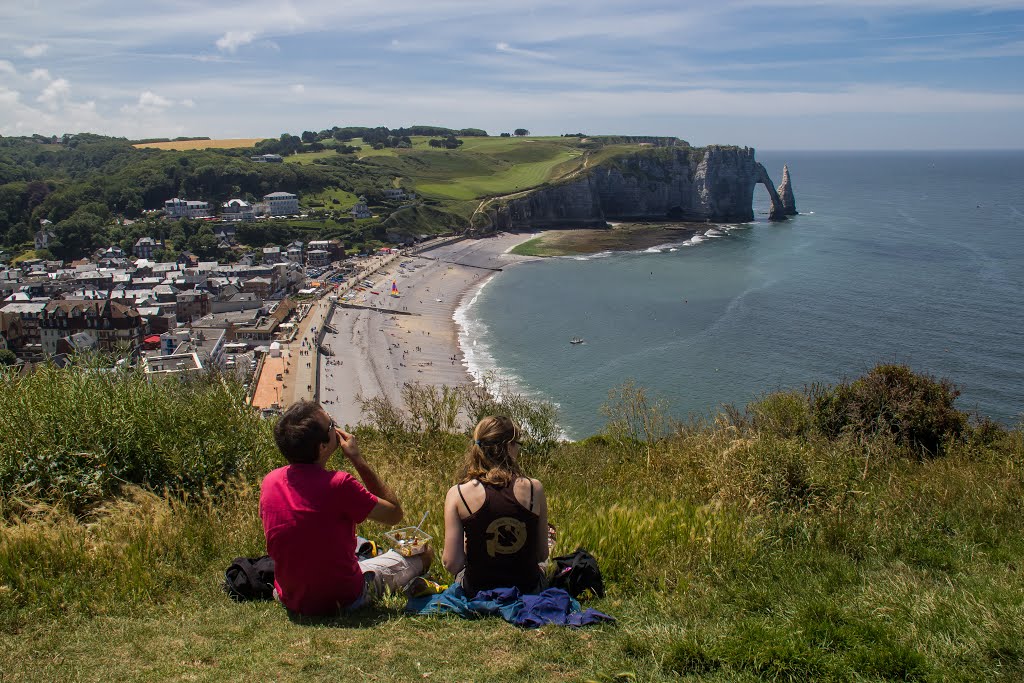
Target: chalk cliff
{"x": 687, "y": 184}
{"x": 786, "y": 193}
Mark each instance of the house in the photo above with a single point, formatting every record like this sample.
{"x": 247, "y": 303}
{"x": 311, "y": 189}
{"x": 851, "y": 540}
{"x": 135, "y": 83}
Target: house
{"x": 113, "y": 324}
{"x": 45, "y": 235}
{"x": 12, "y": 332}
{"x": 260, "y": 286}
{"x": 334, "y": 248}
{"x": 145, "y": 247}
{"x": 282, "y": 203}
{"x": 361, "y": 210}
{"x": 192, "y": 304}
{"x": 181, "y": 208}
{"x": 267, "y": 159}
{"x": 110, "y": 254}
{"x": 79, "y": 342}
{"x": 29, "y": 312}
{"x": 272, "y": 255}
{"x": 397, "y": 194}
{"x": 237, "y": 210}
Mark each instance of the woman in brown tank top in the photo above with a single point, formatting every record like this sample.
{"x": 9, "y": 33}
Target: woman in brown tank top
{"x": 495, "y": 519}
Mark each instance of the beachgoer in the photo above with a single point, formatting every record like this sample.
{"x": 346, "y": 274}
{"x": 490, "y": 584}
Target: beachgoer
{"x": 310, "y": 514}
{"x": 495, "y": 518}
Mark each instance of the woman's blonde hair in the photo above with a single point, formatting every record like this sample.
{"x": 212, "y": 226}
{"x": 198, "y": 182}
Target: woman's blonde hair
{"x": 489, "y": 458}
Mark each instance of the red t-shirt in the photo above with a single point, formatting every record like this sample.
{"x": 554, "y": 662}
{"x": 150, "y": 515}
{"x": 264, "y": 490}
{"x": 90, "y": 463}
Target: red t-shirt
{"x": 309, "y": 517}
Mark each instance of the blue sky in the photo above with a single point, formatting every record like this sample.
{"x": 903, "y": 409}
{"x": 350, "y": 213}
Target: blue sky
{"x": 787, "y": 74}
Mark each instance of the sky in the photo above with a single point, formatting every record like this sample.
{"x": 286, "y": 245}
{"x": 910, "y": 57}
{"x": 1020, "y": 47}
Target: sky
{"x": 770, "y": 74}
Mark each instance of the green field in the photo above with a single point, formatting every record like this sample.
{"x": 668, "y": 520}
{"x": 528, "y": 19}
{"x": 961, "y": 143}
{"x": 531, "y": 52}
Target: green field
{"x": 515, "y": 179}
{"x": 481, "y": 167}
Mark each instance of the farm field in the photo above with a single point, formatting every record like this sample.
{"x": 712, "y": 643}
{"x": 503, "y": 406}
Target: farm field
{"x": 185, "y": 145}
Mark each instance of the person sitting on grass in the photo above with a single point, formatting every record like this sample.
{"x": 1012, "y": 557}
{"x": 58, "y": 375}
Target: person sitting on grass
{"x": 310, "y": 514}
{"x": 495, "y": 518}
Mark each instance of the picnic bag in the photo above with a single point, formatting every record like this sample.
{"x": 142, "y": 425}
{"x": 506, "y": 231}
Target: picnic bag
{"x": 578, "y": 574}
{"x": 250, "y": 578}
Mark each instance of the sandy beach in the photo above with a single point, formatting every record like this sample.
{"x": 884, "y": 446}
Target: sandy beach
{"x": 412, "y": 337}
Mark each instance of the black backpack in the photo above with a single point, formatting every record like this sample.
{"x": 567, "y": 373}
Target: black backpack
{"x": 250, "y": 578}
{"x": 577, "y": 574}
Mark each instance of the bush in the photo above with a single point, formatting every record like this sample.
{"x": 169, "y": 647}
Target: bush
{"x": 916, "y": 410}
{"x": 785, "y": 414}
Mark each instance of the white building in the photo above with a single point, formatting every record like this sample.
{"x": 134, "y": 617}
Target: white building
{"x": 282, "y": 203}
{"x": 237, "y": 210}
{"x": 172, "y": 364}
{"x": 180, "y": 208}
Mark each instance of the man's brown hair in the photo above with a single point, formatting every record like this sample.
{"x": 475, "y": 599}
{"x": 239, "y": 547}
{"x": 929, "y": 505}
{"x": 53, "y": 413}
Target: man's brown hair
{"x": 299, "y": 432}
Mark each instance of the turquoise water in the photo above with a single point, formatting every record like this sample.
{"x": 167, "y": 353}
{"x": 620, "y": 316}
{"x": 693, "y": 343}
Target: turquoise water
{"x": 912, "y": 257}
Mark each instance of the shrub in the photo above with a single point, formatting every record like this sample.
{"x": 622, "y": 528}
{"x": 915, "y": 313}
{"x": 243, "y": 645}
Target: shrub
{"x": 915, "y": 409}
{"x": 785, "y": 414}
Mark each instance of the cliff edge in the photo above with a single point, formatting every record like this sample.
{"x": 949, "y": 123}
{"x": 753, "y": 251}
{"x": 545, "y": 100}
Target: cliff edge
{"x": 710, "y": 184}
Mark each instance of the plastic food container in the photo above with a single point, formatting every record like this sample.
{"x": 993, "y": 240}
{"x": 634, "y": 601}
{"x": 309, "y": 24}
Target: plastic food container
{"x": 409, "y": 541}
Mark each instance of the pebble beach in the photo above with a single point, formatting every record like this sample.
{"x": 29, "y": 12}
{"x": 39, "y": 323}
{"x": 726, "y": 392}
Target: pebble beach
{"x": 379, "y": 342}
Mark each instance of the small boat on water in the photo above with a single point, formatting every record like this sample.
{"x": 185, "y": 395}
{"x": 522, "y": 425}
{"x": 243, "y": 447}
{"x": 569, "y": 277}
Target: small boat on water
{"x": 576, "y": 340}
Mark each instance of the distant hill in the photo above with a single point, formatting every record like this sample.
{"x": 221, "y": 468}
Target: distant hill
{"x": 86, "y": 185}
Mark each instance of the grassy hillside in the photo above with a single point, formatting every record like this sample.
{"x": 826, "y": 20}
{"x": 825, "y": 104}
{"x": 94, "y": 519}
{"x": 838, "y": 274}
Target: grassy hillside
{"x": 808, "y": 537}
{"x": 481, "y": 167}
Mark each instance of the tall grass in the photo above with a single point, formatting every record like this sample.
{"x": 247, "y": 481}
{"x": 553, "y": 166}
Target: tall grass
{"x": 76, "y": 436}
{"x": 753, "y": 546}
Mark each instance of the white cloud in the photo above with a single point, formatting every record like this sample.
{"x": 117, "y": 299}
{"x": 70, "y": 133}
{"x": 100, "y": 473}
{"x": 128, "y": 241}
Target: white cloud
{"x": 149, "y": 103}
{"x": 37, "y": 50}
{"x": 188, "y": 102}
{"x": 55, "y": 94}
{"x": 298, "y": 88}
{"x": 505, "y": 47}
{"x": 6, "y": 67}
{"x": 232, "y": 40}
{"x": 9, "y": 98}
{"x": 39, "y": 75}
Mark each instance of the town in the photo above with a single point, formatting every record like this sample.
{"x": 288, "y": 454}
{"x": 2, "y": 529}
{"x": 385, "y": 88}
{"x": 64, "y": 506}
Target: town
{"x": 186, "y": 315}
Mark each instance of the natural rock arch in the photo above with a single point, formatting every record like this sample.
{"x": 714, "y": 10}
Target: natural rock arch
{"x": 778, "y": 211}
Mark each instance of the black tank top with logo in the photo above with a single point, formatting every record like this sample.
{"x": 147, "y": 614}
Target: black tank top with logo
{"x": 501, "y": 543}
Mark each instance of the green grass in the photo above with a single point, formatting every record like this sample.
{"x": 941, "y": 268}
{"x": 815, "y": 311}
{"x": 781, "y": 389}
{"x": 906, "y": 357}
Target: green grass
{"x": 535, "y": 247}
{"x": 517, "y": 178}
{"x": 346, "y": 200}
{"x": 748, "y": 548}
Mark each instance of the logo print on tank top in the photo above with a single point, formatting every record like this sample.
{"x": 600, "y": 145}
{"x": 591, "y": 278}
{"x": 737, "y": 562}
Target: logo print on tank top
{"x": 505, "y": 536}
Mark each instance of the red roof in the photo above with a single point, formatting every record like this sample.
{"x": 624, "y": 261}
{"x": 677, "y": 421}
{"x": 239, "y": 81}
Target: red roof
{"x": 152, "y": 339}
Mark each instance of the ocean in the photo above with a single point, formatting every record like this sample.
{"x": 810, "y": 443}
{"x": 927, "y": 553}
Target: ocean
{"x": 913, "y": 257}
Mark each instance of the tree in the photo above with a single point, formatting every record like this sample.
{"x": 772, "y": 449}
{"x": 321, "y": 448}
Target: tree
{"x": 520, "y": 132}
{"x": 308, "y": 136}
{"x": 506, "y": 135}
{"x": 7, "y": 357}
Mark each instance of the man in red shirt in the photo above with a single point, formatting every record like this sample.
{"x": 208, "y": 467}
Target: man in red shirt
{"x": 310, "y": 515}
